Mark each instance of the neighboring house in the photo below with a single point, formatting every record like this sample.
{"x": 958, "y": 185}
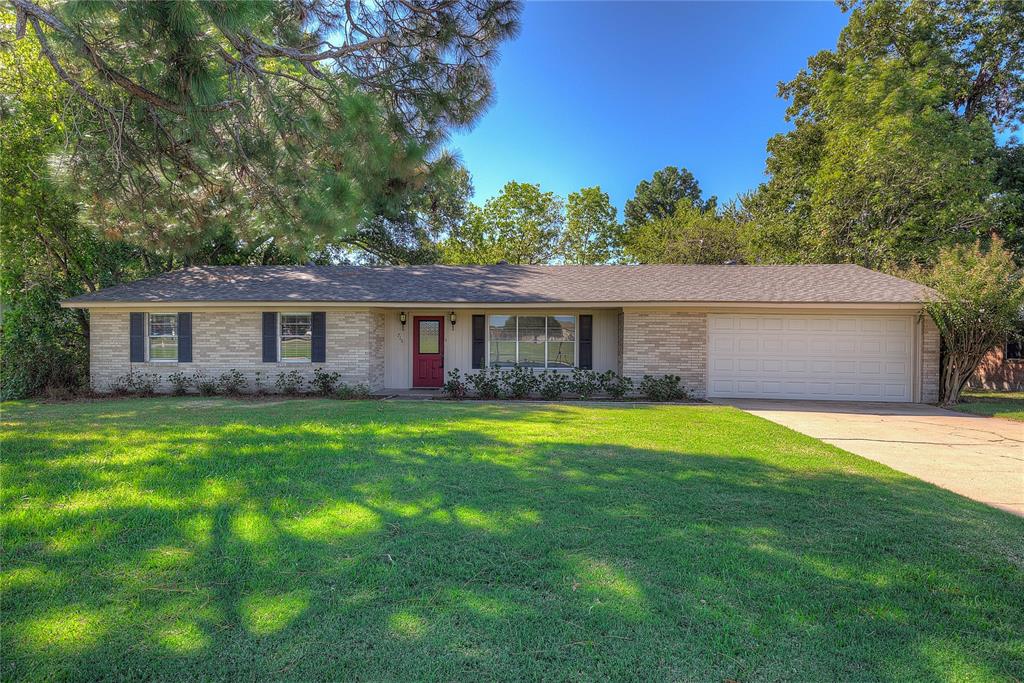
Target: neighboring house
{"x": 805, "y": 331}
{"x": 1003, "y": 368}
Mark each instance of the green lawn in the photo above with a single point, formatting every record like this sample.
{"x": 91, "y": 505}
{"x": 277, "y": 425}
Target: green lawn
{"x": 209, "y": 539}
{"x": 1006, "y": 404}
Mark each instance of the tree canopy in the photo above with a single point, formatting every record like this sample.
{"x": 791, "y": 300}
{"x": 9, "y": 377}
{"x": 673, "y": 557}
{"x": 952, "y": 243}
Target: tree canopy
{"x": 893, "y": 152}
{"x": 658, "y": 197}
{"x": 592, "y": 233}
{"x": 295, "y": 122}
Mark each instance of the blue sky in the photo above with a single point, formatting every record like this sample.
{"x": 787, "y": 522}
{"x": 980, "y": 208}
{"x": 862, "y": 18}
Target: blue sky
{"x": 606, "y": 93}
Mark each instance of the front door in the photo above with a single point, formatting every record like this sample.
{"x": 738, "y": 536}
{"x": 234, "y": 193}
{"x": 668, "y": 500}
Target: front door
{"x": 427, "y": 351}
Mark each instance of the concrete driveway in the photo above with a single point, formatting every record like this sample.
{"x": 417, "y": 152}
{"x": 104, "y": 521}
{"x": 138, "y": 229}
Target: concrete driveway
{"x": 978, "y": 457}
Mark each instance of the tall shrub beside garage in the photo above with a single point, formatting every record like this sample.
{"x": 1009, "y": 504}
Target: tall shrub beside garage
{"x": 981, "y": 295}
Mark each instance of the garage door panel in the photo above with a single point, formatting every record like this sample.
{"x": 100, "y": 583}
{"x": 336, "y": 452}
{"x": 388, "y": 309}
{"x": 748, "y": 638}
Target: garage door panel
{"x": 813, "y": 357}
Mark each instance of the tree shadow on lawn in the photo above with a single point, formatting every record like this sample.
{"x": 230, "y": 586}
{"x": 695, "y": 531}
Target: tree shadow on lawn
{"x": 463, "y": 542}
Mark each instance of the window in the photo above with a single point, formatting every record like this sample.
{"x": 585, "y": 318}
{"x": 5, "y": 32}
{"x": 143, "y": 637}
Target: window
{"x": 1015, "y": 344}
{"x": 533, "y": 341}
{"x": 296, "y": 337}
{"x": 163, "y": 336}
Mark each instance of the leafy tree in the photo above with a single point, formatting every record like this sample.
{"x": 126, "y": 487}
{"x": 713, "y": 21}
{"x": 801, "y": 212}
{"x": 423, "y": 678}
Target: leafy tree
{"x": 981, "y": 302}
{"x": 658, "y": 197}
{"x": 689, "y": 235}
{"x": 889, "y": 158}
{"x": 291, "y": 123}
{"x": 521, "y": 225}
{"x": 412, "y": 235}
{"x": 592, "y": 233}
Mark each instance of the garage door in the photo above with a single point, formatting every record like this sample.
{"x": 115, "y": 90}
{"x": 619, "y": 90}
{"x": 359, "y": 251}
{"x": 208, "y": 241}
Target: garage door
{"x": 842, "y": 358}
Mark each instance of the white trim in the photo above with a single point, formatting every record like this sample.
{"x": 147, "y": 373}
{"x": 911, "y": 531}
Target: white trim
{"x": 149, "y": 337}
{"x": 280, "y": 335}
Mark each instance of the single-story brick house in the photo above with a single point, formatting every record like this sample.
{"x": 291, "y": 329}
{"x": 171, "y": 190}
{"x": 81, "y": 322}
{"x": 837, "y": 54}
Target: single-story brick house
{"x": 804, "y": 331}
{"x": 1002, "y": 368}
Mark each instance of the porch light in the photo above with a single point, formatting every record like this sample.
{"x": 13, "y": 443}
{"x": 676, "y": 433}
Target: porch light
{"x": 401, "y": 318}
{"x": 451, "y": 318}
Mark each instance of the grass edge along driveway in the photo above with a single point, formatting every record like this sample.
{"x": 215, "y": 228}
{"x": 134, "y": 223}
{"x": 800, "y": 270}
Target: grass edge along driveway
{"x": 1008, "y": 405}
{"x": 213, "y": 539}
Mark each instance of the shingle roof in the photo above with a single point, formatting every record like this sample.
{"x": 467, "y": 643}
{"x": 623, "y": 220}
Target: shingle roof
{"x": 517, "y": 284}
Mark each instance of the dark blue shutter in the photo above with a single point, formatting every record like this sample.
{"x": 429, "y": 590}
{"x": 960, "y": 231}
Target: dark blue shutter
{"x": 270, "y": 337}
{"x": 479, "y": 340}
{"x": 137, "y": 337}
{"x": 587, "y": 342}
{"x": 184, "y": 337}
{"x": 318, "y": 325}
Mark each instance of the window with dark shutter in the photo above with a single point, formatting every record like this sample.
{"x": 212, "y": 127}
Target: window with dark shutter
{"x": 270, "y": 337}
{"x": 479, "y": 340}
{"x": 184, "y": 337}
{"x": 587, "y": 342}
{"x": 318, "y": 323}
{"x": 137, "y": 337}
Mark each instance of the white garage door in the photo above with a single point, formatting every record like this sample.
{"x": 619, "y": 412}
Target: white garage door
{"x": 842, "y": 358}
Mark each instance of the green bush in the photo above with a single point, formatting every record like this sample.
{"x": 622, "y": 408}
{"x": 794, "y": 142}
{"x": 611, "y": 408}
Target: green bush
{"x": 290, "y": 383}
{"x": 180, "y": 382}
{"x": 207, "y": 386}
{"x": 552, "y": 384}
{"x": 486, "y": 383}
{"x": 615, "y": 385}
{"x": 349, "y": 392}
{"x": 518, "y": 382}
{"x": 664, "y": 388}
{"x": 135, "y": 384}
{"x": 584, "y": 383}
{"x": 324, "y": 382}
{"x": 455, "y": 386}
{"x": 232, "y": 383}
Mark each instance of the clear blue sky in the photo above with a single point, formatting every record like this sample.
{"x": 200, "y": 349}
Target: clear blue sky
{"x": 606, "y": 93}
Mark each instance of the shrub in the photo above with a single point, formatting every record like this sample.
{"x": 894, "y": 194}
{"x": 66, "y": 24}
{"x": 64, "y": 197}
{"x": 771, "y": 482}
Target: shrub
{"x": 615, "y": 385}
{"x": 455, "y": 386}
{"x": 290, "y": 383}
{"x": 323, "y": 382}
{"x": 664, "y": 388}
{"x": 135, "y": 384}
{"x": 584, "y": 383}
{"x": 180, "y": 382}
{"x": 552, "y": 384}
{"x": 980, "y": 304}
{"x": 232, "y": 383}
{"x": 207, "y": 386}
{"x": 348, "y": 392}
{"x": 486, "y": 382}
{"x": 259, "y": 388}
{"x": 518, "y": 382}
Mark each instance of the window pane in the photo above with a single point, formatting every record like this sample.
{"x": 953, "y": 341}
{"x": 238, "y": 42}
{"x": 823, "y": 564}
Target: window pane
{"x": 163, "y": 348}
{"x": 561, "y": 328}
{"x": 295, "y": 324}
{"x": 531, "y": 354}
{"x": 503, "y": 328}
{"x": 503, "y": 353}
{"x": 429, "y": 334}
{"x": 531, "y": 328}
{"x": 296, "y": 348}
{"x": 163, "y": 324}
{"x": 561, "y": 354}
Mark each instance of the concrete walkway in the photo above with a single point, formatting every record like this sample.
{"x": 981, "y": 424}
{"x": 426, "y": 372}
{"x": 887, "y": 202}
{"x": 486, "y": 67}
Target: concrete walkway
{"x": 978, "y": 457}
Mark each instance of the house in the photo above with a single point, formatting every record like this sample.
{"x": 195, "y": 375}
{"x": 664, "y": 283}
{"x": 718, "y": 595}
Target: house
{"x": 1002, "y": 368}
{"x": 800, "y": 332}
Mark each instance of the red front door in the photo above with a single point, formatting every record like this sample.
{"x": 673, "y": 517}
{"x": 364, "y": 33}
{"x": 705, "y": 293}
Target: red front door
{"x": 427, "y": 351}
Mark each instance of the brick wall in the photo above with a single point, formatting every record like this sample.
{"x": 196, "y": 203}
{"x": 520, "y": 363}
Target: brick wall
{"x": 930, "y": 346}
{"x": 233, "y": 341}
{"x": 661, "y": 343}
{"x": 998, "y": 373}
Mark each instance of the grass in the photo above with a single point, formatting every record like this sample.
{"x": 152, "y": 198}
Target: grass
{"x": 1005, "y": 404}
{"x": 209, "y": 539}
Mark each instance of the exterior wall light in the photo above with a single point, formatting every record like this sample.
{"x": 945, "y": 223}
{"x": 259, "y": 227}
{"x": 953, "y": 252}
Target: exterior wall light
{"x": 401, "y": 319}
{"x": 451, "y": 318}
